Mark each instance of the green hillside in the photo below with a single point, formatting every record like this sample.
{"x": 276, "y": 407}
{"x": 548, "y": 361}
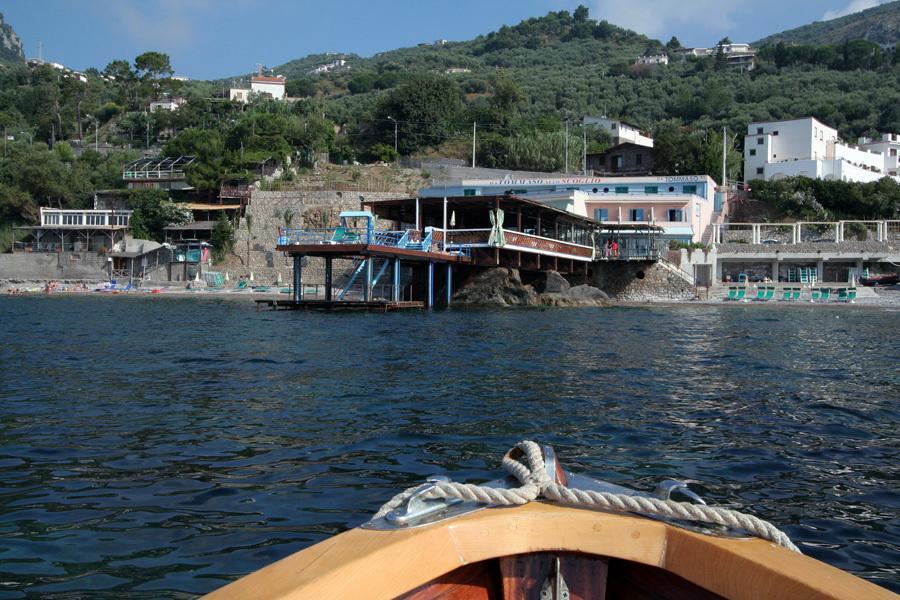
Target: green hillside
{"x": 880, "y": 24}
{"x": 567, "y": 65}
{"x": 525, "y": 88}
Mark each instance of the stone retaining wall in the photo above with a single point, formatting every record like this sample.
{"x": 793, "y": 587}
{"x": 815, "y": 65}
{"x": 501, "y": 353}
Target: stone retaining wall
{"x": 311, "y": 209}
{"x": 40, "y": 266}
{"x": 640, "y": 282}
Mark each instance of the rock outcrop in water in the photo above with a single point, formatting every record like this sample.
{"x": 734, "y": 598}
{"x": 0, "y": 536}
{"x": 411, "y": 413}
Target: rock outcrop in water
{"x": 503, "y": 287}
{"x": 497, "y": 287}
{"x": 579, "y": 295}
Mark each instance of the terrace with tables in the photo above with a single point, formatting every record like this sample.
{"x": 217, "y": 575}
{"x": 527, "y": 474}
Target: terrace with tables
{"x": 430, "y": 239}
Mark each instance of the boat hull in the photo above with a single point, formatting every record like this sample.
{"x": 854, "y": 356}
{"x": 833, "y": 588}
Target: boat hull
{"x": 890, "y": 279}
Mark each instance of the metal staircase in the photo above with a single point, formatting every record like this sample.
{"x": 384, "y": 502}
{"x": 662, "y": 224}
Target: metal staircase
{"x": 355, "y": 286}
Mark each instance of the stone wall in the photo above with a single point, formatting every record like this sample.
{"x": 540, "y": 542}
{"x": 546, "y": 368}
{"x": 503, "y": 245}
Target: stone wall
{"x": 311, "y": 209}
{"x": 640, "y": 282}
{"x": 40, "y": 266}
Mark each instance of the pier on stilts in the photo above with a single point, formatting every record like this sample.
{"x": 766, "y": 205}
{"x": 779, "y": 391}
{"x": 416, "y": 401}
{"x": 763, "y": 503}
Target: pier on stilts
{"x": 436, "y": 244}
{"x": 374, "y": 256}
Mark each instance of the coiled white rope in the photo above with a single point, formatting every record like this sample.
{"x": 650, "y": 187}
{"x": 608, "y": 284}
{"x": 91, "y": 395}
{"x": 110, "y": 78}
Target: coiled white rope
{"x": 536, "y": 483}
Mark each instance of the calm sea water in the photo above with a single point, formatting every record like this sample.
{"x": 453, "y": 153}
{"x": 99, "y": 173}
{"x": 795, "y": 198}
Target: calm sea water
{"x": 162, "y": 447}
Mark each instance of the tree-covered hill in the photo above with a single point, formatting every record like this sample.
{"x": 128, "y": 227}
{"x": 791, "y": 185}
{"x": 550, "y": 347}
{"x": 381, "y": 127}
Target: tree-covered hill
{"x": 524, "y": 89}
{"x": 880, "y": 24}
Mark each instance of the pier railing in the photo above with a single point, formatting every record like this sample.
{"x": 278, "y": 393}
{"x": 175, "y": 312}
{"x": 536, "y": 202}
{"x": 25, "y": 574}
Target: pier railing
{"x": 456, "y": 241}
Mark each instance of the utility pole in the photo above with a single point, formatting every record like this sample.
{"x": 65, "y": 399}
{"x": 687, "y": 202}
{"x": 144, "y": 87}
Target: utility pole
{"x": 96, "y": 134}
{"x": 566, "y": 170}
{"x": 395, "y": 132}
{"x": 583, "y": 148}
{"x": 148, "y": 130}
{"x": 473, "y": 143}
{"x": 724, "y": 156}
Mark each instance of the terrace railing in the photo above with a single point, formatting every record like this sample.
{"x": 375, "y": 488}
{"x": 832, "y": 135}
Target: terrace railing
{"x": 325, "y": 236}
{"x": 154, "y": 174}
{"x": 808, "y": 232}
{"x": 651, "y": 253}
{"x": 354, "y": 235}
{"x": 547, "y": 245}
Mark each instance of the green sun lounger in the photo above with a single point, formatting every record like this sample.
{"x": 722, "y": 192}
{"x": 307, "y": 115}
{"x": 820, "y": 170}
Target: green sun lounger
{"x": 851, "y": 294}
{"x": 741, "y": 293}
{"x": 344, "y": 236}
{"x": 786, "y": 294}
{"x": 732, "y": 294}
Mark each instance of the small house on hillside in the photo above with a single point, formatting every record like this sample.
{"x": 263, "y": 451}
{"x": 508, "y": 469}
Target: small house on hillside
{"x": 626, "y": 157}
{"x": 263, "y": 86}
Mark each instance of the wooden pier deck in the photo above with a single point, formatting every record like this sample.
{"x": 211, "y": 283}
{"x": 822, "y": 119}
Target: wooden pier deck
{"x": 382, "y": 306}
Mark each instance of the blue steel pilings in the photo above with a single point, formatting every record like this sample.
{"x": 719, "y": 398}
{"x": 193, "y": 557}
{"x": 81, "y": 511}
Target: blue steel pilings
{"x": 430, "y": 284}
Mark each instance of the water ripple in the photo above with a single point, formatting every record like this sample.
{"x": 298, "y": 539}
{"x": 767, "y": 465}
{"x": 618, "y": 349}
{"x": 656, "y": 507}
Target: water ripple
{"x": 163, "y": 447}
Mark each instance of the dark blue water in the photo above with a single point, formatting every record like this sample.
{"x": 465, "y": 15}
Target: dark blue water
{"x": 163, "y": 447}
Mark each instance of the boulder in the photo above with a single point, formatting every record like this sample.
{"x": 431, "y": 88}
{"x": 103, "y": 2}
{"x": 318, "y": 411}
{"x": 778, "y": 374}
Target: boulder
{"x": 587, "y": 293}
{"x": 579, "y": 295}
{"x": 496, "y": 287}
{"x": 551, "y": 283}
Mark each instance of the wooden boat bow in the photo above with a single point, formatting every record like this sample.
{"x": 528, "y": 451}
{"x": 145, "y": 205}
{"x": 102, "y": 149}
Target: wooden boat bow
{"x": 438, "y": 540}
{"x": 388, "y": 564}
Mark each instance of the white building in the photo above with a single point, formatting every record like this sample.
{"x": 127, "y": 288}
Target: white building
{"x": 808, "y": 148}
{"x": 239, "y": 95}
{"x": 655, "y": 59}
{"x": 889, "y": 146}
{"x": 168, "y": 103}
{"x": 621, "y": 131}
{"x": 335, "y": 64}
{"x": 685, "y": 206}
{"x": 737, "y": 55}
{"x": 264, "y": 86}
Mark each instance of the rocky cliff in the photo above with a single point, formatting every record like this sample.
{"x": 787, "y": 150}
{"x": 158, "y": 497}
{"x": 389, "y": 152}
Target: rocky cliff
{"x": 10, "y": 44}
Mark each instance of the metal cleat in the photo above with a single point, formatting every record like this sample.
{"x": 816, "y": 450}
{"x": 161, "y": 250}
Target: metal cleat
{"x": 666, "y": 487}
{"x": 418, "y": 508}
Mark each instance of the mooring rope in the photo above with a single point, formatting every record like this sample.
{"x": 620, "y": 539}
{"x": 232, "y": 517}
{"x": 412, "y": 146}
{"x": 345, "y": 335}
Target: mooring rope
{"x": 536, "y": 483}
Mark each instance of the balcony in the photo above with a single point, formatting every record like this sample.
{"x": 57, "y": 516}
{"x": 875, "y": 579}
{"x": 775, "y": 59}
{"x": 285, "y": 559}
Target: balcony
{"x": 84, "y": 219}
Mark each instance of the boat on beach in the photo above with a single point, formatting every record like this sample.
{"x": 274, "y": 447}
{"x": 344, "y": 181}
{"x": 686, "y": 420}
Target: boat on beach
{"x": 884, "y": 279}
{"x": 584, "y": 539}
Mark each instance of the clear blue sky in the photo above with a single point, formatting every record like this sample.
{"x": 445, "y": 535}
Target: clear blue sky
{"x": 209, "y": 39}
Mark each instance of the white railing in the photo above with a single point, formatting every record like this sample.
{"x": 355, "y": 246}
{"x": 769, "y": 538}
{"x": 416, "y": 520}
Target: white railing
{"x": 154, "y": 174}
{"x": 54, "y": 217}
{"x": 833, "y": 232}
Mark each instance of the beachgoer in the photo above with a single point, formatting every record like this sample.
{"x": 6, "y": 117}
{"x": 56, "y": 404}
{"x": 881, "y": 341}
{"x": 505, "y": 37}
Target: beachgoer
{"x": 608, "y": 250}
{"x": 615, "y": 248}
